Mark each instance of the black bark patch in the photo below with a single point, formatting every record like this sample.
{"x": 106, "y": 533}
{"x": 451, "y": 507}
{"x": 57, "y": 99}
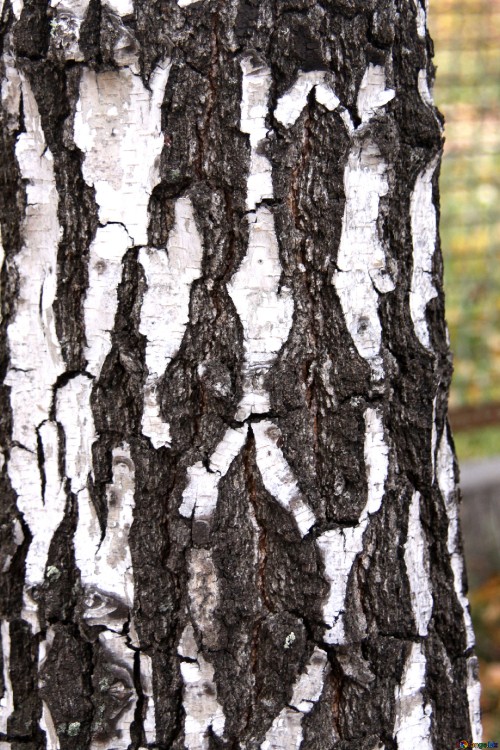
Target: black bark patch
{"x": 56, "y": 91}
{"x": 117, "y": 396}
{"x": 381, "y": 575}
{"x": 66, "y": 686}
{"x": 241, "y": 606}
{"x": 32, "y": 31}
{"x": 158, "y": 542}
{"x": 112, "y": 692}
{"x": 445, "y": 689}
{"x": 194, "y": 400}
{"x": 367, "y": 707}
{"x": 23, "y": 722}
{"x": 61, "y": 584}
{"x": 90, "y": 32}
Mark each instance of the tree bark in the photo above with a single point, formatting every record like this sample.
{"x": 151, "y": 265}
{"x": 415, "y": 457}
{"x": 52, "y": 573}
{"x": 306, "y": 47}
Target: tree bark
{"x": 229, "y": 492}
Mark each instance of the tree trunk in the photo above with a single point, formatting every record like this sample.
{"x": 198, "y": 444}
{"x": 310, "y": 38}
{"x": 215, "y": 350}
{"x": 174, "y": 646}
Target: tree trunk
{"x": 230, "y": 510}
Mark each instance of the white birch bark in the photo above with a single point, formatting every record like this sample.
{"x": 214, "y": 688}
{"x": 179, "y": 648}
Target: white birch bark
{"x": 7, "y": 700}
{"x": 35, "y": 358}
{"x": 447, "y": 485}
{"x": 165, "y": 309}
{"x": 413, "y": 715}
{"x": 171, "y": 651}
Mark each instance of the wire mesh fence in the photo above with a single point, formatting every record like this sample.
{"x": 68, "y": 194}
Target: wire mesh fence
{"x": 467, "y": 42}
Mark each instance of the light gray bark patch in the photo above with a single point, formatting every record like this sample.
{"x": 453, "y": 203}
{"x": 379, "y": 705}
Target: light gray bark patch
{"x": 203, "y": 595}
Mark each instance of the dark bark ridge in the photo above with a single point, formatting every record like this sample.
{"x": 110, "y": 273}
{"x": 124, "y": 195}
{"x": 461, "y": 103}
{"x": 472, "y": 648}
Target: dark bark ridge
{"x": 239, "y": 594}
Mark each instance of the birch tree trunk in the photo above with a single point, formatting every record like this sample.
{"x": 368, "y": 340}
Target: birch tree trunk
{"x": 229, "y": 492}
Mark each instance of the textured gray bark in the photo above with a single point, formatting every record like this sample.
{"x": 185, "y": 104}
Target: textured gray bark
{"x": 268, "y": 617}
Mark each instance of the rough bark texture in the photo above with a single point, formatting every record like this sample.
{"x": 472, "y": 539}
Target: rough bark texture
{"x": 229, "y": 503}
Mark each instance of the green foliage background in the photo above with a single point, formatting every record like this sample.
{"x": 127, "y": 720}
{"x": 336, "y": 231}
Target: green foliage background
{"x": 466, "y": 35}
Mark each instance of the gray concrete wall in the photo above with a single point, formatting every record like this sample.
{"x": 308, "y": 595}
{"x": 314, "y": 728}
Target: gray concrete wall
{"x": 480, "y": 515}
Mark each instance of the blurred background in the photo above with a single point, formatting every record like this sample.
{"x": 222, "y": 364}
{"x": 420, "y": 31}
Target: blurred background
{"x": 466, "y": 37}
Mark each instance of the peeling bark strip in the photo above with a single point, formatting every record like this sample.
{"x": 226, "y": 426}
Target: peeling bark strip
{"x": 229, "y": 500}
